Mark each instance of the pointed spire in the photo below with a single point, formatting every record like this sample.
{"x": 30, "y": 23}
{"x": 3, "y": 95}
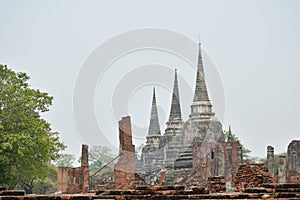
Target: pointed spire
{"x": 200, "y": 89}
{"x": 230, "y": 136}
{"x": 154, "y": 128}
{"x": 175, "y": 113}
{"x": 201, "y": 107}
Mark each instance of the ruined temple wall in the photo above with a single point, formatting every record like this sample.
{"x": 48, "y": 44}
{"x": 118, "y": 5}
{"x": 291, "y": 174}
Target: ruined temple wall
{"x": 293, "y": 166}
{"x": 216, "y": 159}
{"x": 204, "y": 160}
{"x": 233, "y": 159}
{"x": 62, "y": 179}
{"x": 252, "y": 175}
{"x": 124, "y": 170}
{"x": 74, "y": 179}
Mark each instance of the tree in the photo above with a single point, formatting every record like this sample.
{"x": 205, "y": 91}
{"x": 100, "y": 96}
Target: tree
{"x": 245, "y": 151}
{"x": 65, "y": 160}
{"x": 48, "y": 184}
{"x": 27, "y": 143}
{"x": 98, "y": 157}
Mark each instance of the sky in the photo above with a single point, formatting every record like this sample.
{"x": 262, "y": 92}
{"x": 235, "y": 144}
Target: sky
{"x": 251, "y": 56}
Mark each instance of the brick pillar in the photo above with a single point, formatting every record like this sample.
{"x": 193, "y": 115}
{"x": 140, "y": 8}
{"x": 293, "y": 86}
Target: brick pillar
{"x": 75, "y": 180}
{"x": 124, "y": 172}
{"x": 282, "y": 169}
{"x": 229, "y": 166}
{"x": 270, "y": 159}
{"x": 84, "y": 187}
{"x": 84, "y": 156}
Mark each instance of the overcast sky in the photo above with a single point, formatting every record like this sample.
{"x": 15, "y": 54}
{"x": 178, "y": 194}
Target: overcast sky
{"x": 253, "y": 45}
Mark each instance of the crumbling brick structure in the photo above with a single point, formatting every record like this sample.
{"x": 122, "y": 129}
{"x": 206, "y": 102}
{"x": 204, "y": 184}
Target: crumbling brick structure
{"x": 267, "y": 191}
{"x": 124, "y": 171}
{"x": 293, "y": 165}
{"x": 72, "y": 180}
{"x": 217, "y": 159}
{"x": 252, "y": 175}
{"x": 216, "y": 184}
{"x": 288, "y": 169}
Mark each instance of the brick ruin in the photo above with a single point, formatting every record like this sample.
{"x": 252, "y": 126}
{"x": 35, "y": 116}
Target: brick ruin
{"x": 124, "y": 170}
{"x": 193, "y": 154}
{"x": 288, "y": 168}
{"x": 252, "y": 175}
{"x": 73, "y": 180}
{"x": 293, "y": 165}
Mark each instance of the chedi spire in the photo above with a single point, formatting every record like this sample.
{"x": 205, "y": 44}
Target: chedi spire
{"x": 200, "y": 89}
{"x": 201, "y": 107}
{"x": 175, "y": 112}
{"x": 154, "y": 128}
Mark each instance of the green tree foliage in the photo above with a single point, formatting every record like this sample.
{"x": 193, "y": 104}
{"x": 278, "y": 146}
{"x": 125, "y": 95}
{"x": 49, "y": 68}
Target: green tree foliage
{"x": 65, "y": 160}
{"x": 48, "y": 185}
{"x": 245, "y": 151}
{"x": 27, "y": 143}
{"x": 98, "y": 157}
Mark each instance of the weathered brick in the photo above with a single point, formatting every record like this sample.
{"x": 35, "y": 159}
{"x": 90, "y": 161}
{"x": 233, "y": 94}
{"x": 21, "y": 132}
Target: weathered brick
{"x": 124, "y": 170}
{"x": 293, "y": 172}
{"x": 74, "y": 180}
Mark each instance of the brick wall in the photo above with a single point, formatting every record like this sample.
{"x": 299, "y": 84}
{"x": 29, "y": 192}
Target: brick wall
{"x": 216, "y": 159}
{"x": 74, "y": 179}
{"x": 124, "y": 172}
{"x": 252, "y": 175}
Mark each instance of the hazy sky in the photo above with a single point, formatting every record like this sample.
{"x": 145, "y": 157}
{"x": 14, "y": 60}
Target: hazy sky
{"x": 254, "y": 46}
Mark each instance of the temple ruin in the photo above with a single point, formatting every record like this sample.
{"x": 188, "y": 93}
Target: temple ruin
{"x": 195, "y": 153}
{"x": 188, "y": 160}
{"x": 194, "y": 148}
{"x": 287, "y": 169}
{"x": 124, "y": 172}
{"x": 75, "y": 179}
{"x": 293, "y": 165}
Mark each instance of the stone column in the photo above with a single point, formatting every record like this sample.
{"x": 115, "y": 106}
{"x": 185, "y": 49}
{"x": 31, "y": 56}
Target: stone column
{"x": 282, "y": 169}
{"x": 270, "y": 159}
